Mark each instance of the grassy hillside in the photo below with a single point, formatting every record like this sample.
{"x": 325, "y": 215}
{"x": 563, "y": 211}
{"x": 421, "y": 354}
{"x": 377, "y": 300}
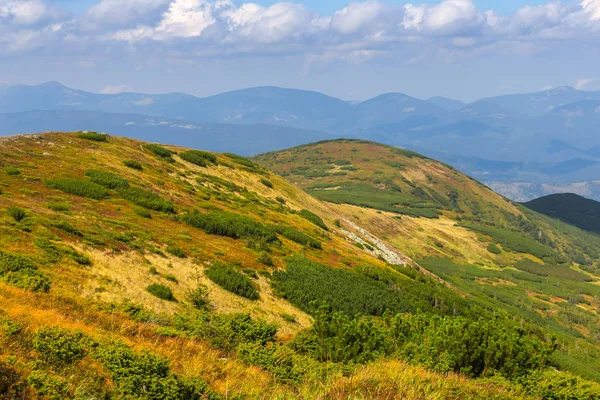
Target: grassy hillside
{"x": 570, "y": 208}
{"x": 136, "y": 270}
{"x": 498, "y": 253}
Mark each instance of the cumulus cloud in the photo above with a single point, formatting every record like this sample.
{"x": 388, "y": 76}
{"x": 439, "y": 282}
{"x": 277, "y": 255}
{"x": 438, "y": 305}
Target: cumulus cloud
{"x": 359, "y": 31}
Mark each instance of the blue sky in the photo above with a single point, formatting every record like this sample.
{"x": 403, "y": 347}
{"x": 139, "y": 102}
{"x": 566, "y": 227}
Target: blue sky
{"x": 465, "y": 49}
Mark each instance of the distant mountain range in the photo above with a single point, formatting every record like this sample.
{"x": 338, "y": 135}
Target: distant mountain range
{"x": 510, "y": 142}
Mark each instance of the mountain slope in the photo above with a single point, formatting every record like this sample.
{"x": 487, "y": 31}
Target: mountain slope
{"x": 496, "y": 251}
{"x": 570, "y": 208}
{"x": 135, "y": 270}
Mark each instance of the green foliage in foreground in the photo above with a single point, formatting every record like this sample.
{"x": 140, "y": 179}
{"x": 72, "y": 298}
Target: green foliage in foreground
{"x": 197, "y": 157}
{"x": 314, "y": 218}
{"x": 232, "y": 280}
{"x": 230, "y": 225}
{"x": 78, "y": 187}
{"x": 146, "y": 199}
{"x": 12, "y": 171}
{"x": 107, "y": 179}
{"x": 60, "y": 346}
{"x": 369, "y": 291}
{"x": 93, "y": 136}
{"x": 474, "y": 347}
{"x": 21, "y": 272}
{"x": 161, "y": 291}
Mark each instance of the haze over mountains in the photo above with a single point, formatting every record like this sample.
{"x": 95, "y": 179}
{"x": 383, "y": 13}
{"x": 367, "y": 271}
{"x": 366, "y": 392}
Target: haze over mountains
{"x": 522, "y": 145}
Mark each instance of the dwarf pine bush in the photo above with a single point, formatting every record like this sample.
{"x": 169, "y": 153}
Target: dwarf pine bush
{"x": 93, "y": 136}
{"x": 314, "y": 218}
{"x": 230, "y": 225}
{"x": 107, "y": 179}
{"x": 78, "y": 187}
{"x": 197, "y": 157}
{"x": 161, "y": 291}
{"x": 132, "y": 164}
{"x": 18, "y": 214}
{"x": 232, "y": 280}
{"x": 146, "y": 199}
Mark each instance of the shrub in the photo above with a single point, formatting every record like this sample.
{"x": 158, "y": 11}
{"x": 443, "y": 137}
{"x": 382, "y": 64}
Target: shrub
{"x": 492, "y": 248}
{"x": 60, "y": 346}
{"x": 161, "y": 291}
{"x": 133, "y": 164}
{"x": 21, "y": 272}
{"x": 78, "y": 187}
{"x": 176, "y": 251}
{"x": 231, "y": 225}
{"x": 314, "y": 218}
{"x": 198, "y": 297}
{"x": 267, "y": 183}
{"x": 58, "y": 207}
{"x": 18, "y": 214}
{"x": 296, "y": 236}
{"x": 146, "y": 199}
{"x": 171, "y": 278}
{"x": 146, "y": 376}
{"x": 107, "y": 179}
{"x": 232, "y": 280}
{"x": 280, "y": 199}
{"x": 13, "y": 171}
{"x": 142, "y": 212}
{"x": 159, "y": 151}
{"x": 65, "y": 226}
{"x": 197, "y": 157}
{"x": 265, "y": 258}
{"x": 93, "y": 136}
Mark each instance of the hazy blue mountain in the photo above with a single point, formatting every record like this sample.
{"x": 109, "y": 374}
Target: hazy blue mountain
{"x": 539, "y": 103}
{"x": 446, "y": 103}
{"x": 391, "y": 108}
{"x": 241, "y": 139}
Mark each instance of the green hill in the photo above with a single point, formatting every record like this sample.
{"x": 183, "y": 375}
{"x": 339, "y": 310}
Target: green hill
{"x": 137, "y": 270}
{"x": 570, "y": 208}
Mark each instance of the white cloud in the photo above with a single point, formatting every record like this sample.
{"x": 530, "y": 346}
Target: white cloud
{"x": 356, "y": 16}
{"x": 23, "y": 12}
{"x": 115, "y": 89}
{"x": 593, "y": 8}
{"x": 116, "y": 12}
{"x": 583, "y": 83}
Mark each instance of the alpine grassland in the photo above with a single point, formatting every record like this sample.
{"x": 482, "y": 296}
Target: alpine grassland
{"x": 131, "y": 270}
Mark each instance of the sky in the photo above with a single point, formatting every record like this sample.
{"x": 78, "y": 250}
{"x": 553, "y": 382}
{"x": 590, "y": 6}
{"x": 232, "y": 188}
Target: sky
{"x": 463, "y": 49}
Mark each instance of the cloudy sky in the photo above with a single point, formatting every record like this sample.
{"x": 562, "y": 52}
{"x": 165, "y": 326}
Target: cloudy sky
{"x": 354, "y": 50}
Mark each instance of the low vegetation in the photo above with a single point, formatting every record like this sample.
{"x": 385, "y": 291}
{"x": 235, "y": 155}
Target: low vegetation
{"x": 93, "y": 136}
{"x": 146, "y": 199}
{"x": 78, "y": 187}
{"x": 161, "y": 291}
{"x": 230, "y": 225}
{"x": 200, "y": 158}
{"x": 232, "y": 280}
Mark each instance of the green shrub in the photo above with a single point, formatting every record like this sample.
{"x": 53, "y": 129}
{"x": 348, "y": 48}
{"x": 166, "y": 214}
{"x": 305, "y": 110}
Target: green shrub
{"x": 314, "y": 218}
{"x": 296, "y": 236}
{"x": 232, "y": 280}
{"x": 21, "y": 272}
{"x": 198, "y": 297}
{"x": 159, "y": 151}
{"x": 58, "y": 207}
{"x": 161, "y": 291}
{"x": 142, "y": 212}
{"x": 146, "y": 376}
{"x": 231, "y": 225}
{"x": 492, "y": 248}
{"x": 246, "y": 163}
{"x": 18, "y": 214}
{"x": 65, "y": 226}
{"x": 133, "y": 164}
{"x": 13, "y": 171}
{"x": 78, "y": 187}
{"x": 265, "y": 258}
{"x": 197, "y": 157}
{"x": 267, "y": 183}
{"x": 280, "y": 199}
{"x": 60, "y": 346}
{"x": 146, "y": 199}
{"x": 107, "y": 179}
{"x": 171, "y": 278}
{"x": 176, "y": 251}
{"x": 93, "y": 136}
{"x": 559, "y": 385}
